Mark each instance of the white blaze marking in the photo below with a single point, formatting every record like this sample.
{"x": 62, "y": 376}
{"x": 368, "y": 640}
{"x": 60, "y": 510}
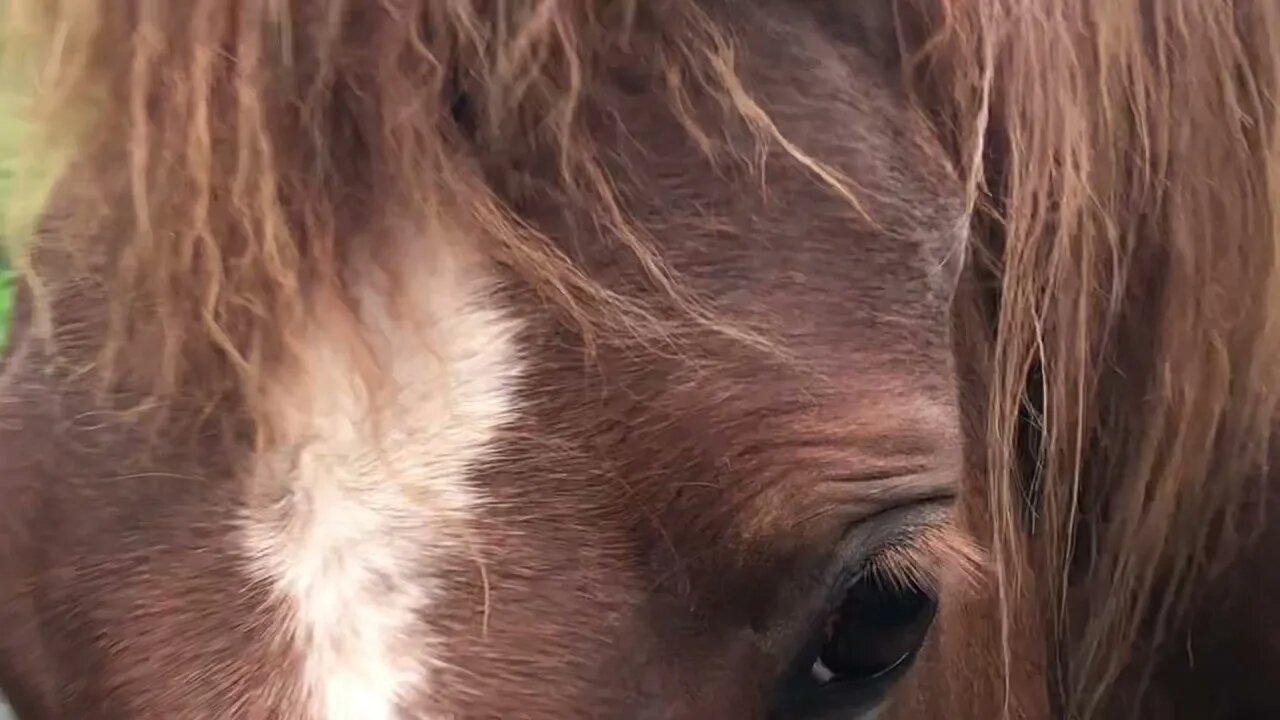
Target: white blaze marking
{"x": 371, "y": 502}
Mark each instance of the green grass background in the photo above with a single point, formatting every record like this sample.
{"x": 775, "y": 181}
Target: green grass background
{"x": 11, "y": 132}
{"x": 29, "y": 168}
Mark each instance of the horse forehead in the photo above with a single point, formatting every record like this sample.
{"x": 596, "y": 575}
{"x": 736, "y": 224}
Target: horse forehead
{"x": 782, "y": 239}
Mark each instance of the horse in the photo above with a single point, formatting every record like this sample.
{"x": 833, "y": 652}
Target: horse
{"x": 616, "y": 359}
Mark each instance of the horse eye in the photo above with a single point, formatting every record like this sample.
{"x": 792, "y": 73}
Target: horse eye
{"x": 877, "y": 629}
{"x": 869, "y": 639}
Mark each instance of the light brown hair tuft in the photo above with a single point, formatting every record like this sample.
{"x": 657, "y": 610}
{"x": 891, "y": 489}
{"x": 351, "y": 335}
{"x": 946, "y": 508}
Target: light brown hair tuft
{"x": 252, "y": 151}
{"x": 1124, "y": 167}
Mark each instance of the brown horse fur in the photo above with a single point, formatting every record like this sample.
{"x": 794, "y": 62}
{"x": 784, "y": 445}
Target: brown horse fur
{"x": 1119, "y": 159}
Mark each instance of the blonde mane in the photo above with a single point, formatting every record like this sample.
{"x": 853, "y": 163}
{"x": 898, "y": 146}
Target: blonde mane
{"x": 1122, "y": 159}
{"x": 1128, "y": 197}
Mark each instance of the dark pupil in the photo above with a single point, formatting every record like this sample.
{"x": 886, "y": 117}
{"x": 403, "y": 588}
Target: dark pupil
{"x": 878, "y": 626}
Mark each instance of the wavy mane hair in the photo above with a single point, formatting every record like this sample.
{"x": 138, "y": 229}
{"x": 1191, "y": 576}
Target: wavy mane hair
{"x": 1123, "y": 165}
